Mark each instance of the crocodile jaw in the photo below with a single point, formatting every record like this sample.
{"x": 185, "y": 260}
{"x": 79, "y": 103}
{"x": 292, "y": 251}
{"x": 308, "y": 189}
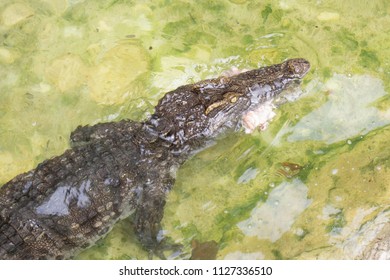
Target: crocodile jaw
{"x": 259, "y": 117}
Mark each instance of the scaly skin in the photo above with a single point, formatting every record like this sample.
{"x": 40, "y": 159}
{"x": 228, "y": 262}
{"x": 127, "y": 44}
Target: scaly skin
{"x": 115, "y": 170}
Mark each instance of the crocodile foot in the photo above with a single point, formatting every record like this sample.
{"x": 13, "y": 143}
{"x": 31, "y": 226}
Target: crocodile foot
{"x": 174, "y": 250}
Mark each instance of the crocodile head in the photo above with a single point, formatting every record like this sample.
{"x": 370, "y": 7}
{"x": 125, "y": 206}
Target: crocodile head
{"x": 205, "y": 109}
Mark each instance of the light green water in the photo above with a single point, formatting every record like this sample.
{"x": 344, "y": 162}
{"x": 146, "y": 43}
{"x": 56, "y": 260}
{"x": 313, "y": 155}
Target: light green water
{"x": 69, "y": 63}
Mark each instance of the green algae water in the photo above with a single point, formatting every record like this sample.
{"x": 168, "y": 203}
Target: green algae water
{"x": 315, "y": 184}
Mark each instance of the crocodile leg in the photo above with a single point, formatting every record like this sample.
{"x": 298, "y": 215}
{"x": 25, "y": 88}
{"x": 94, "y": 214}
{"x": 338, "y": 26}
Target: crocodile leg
{"x": 149, "y": 213}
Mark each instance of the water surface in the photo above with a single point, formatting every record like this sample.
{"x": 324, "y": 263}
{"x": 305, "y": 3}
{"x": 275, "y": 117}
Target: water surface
{"x": 315, "y": 184}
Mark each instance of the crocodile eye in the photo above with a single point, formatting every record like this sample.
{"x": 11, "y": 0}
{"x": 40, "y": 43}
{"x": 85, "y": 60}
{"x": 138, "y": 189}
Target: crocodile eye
{"x": 233, "y": 99}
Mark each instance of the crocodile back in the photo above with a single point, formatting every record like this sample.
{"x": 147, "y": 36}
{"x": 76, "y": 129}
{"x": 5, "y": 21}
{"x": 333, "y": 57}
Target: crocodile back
{"x": 68, "y": 202}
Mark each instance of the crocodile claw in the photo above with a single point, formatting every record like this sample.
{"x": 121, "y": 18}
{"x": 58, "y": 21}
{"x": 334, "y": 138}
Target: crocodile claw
{"x": 164, "y": 246}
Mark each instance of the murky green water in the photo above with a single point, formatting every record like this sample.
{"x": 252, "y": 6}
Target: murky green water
{"x": 314, "y": 185}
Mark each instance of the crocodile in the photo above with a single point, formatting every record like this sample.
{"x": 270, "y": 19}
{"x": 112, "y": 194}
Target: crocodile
{"x": 119, "y": 169}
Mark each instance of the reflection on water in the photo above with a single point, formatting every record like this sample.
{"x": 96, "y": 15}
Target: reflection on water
{"x": 348, "y": 112}
{"x": 58, "y": 203}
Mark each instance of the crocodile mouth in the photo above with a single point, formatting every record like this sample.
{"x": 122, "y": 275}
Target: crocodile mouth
{"x": 260, "y": 116}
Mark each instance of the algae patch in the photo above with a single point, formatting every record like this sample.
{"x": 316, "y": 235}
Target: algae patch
{"x": 110, "y": 81}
